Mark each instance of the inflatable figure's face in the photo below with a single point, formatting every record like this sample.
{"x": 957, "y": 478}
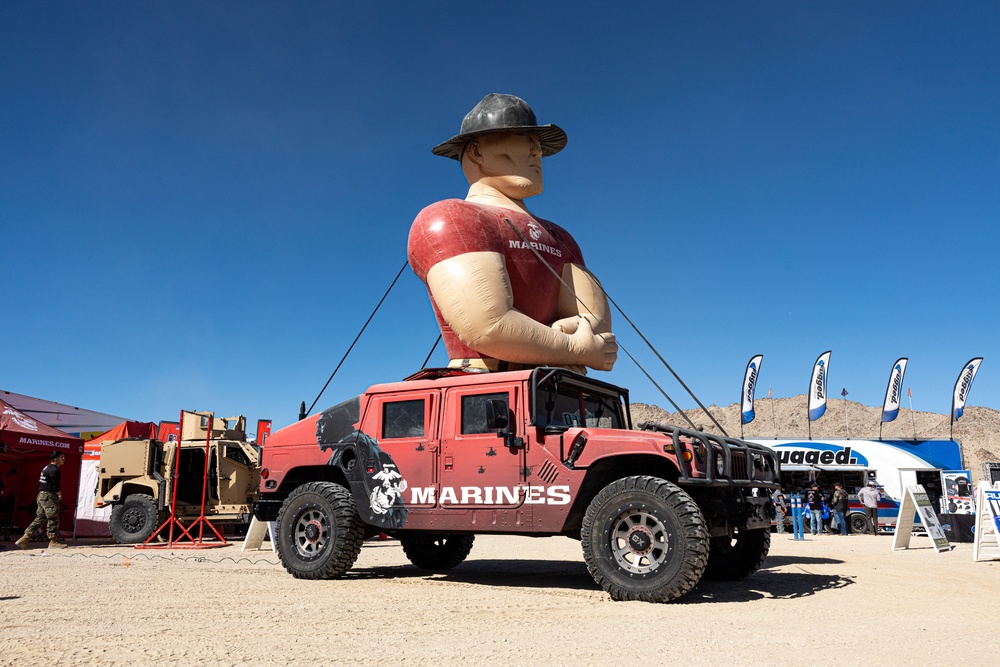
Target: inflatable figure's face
{"x": 511, "y": 163}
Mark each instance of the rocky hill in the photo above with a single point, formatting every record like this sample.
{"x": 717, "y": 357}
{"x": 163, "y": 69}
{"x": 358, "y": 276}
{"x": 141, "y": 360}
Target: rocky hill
{"x": 978, "y": 430}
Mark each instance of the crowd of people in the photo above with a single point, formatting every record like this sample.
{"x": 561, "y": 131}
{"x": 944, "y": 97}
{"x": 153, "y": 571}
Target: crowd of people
{"x": 828, "y": 512}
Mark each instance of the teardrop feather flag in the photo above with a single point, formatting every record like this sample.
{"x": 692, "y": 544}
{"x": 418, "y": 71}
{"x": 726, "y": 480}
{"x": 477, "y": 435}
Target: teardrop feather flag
{"x": 817, "y": 386}
{"x": 749, "y": 385}
{"x": 893, "y": 392}
{"x": 962, "y": 387}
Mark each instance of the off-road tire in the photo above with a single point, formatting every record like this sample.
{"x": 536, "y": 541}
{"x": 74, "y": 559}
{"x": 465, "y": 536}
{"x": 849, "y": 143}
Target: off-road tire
{"x": 644, "y": 539}
{"x": 135, "y": 519}
{"x": 430, "y": 551}
{"x": 732, "y": 559}
{"x": 319, "y": 531}
{"x": 858, "y": 523}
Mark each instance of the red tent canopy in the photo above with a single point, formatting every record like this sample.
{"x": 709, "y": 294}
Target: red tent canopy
{"x": 127, "y": 429}
{"x": 18, "y": 431}
{"x": 25, "y": 446}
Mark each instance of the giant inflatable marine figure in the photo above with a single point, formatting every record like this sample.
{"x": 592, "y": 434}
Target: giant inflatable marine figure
{"x": 509, "y": 290}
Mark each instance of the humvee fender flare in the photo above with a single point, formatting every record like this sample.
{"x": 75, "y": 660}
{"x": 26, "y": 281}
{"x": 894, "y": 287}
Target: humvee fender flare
{"x": 117, "y": 493}
{"x": 374, "y": 479}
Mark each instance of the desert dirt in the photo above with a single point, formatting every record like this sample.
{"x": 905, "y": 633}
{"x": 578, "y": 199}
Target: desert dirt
{"x": 515, "y": 601}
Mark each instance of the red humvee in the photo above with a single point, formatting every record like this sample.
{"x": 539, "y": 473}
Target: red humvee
{"x": 447, "y": 454}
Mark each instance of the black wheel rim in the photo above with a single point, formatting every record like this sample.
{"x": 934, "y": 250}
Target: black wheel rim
{"x": 133, "y": 520}
{"x": 639, "y": 542}
{"x": 311, "y": 532}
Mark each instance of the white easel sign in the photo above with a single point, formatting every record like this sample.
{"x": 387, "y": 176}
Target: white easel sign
{"x": 987, "y": 541}
{"x": 257, "y": 531}
{"x": 916, "y": 500}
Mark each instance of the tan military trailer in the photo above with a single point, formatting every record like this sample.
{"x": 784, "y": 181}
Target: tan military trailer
{"x": 137, "y": 477}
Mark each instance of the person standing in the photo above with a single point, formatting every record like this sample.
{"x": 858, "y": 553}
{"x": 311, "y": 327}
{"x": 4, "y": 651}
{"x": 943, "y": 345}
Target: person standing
{"x": 814, "y": 500}
{"x": 780, "y": 509}
{"x": 869, "y": 497}
{"x": 49, "y": 495}
{"x": 839, "y": 503}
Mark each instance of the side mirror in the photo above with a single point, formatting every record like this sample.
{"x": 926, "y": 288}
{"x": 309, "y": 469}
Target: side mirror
{"x": 496, "y": 414}
{"x": 498, "y": 417}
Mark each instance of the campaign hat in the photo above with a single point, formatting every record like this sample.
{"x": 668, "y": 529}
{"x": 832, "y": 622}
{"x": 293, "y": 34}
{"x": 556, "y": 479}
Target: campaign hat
{"x": 498, "y": 113}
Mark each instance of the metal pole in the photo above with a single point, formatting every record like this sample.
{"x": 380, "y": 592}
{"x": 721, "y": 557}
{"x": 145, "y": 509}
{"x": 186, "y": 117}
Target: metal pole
{"x": 204, "y": 479}
{"x": 774, "y": 425}
{"x": 913, "y": 420}
{"x": 798, "y": 530}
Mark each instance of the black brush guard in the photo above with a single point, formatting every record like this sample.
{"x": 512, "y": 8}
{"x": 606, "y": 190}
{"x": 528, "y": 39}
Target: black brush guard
{"x": 744, "y": 464}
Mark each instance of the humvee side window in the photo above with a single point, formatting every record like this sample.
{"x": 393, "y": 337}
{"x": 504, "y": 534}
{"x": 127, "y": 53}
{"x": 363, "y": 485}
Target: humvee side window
{"x": 403, "y": 419}
{"x": 474, "y": 412}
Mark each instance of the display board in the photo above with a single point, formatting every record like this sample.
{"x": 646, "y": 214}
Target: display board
{"x": 916, "y": 500}
{"x": 958, "y": 492}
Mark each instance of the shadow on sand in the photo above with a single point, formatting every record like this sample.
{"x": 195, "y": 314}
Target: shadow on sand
{"x": 573, "y": 575}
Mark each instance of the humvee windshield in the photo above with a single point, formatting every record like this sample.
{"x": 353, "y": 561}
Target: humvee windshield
{"x": 563, "y": 400}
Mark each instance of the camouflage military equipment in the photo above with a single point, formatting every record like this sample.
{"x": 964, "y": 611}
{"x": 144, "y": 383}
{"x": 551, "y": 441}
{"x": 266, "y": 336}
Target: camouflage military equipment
{"x": 136, "y": 477}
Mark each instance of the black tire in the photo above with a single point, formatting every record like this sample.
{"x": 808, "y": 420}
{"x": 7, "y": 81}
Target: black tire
{"x": 732, "y": 559}
{"x": 644, "y": 539}
{"x": 859, "y": 523}
{"x": 135, "y": 519}
{"x": 319, "y": 531}
{"x": 429, "y": 551}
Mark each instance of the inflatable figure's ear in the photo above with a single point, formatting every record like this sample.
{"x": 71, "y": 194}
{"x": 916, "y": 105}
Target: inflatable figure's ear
{"x": 473, "y": 151}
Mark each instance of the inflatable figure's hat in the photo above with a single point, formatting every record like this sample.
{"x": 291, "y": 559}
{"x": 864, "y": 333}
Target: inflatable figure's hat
{"x": 502, "y": 113}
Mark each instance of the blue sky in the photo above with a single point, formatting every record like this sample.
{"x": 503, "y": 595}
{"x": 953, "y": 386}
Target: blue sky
{"x": 201, "y": 203}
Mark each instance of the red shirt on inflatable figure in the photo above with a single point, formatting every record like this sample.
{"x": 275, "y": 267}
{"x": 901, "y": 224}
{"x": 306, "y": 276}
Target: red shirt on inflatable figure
{"x": 508, "y": 289}
{"x": 454, "y": 227}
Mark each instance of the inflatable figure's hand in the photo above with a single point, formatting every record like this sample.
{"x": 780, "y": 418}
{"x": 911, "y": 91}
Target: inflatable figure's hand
{"x": 567, "y": 325}
{"x": 598, "y": 351}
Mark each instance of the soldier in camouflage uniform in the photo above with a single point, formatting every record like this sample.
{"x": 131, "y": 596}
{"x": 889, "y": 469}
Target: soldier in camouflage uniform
{"x": 49, "y": 495}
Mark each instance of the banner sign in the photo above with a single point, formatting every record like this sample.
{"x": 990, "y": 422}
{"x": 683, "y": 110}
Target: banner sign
{"x": 962, "y": 387}
{"x": 894, "y": 390}
{"x": 263, "y": 431}
{"x": 817, "y": 386}
{"x": 749, "y": 386}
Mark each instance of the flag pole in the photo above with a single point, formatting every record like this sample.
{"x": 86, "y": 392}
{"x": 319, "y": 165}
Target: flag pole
{"x": 847, "y": 424}
{"x": 809, "y": 420}
{"x": 913, "y": 420}
{"x": 773, "y": 424}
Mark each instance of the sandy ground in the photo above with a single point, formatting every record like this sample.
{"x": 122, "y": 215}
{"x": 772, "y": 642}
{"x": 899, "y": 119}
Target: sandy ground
{"x": 515, "y": 601}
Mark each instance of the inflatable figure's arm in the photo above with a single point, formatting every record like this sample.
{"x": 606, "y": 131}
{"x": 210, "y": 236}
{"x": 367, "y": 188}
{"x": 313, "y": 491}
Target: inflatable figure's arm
{"x": 585, "y": 298}
{"x": 473, "y": 294}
